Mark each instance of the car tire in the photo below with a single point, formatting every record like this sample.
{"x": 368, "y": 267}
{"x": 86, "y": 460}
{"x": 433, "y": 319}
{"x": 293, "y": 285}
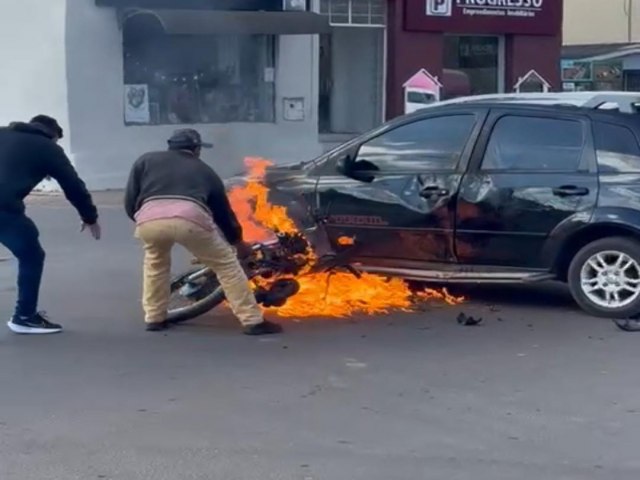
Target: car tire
{"x": 594, "y": 289}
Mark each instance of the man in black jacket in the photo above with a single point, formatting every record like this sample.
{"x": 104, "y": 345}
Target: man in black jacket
{"x": 28, "y": 155}
{"x": 176, "y": 198}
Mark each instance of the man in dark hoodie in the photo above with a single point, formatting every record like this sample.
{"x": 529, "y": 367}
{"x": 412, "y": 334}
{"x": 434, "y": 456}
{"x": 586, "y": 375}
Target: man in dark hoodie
{"x": 28, "y": 154}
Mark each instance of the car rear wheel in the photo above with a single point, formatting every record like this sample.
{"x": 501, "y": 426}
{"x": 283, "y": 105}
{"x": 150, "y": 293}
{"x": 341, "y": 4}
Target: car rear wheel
{"x": 604, "y": 277}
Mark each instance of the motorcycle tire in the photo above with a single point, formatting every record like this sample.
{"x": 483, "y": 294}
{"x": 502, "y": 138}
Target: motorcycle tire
{"x": 203, "y": 305}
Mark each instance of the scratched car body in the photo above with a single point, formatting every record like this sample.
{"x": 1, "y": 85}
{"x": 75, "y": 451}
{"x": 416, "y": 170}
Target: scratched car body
{"x": 505, "y": 189}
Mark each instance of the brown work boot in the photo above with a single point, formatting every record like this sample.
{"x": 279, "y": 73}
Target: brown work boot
{"x": 158, "y": 326}
{"x": 264, "y": 328}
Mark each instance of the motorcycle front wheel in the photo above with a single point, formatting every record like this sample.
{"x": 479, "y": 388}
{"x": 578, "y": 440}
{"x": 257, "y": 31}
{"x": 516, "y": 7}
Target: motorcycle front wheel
{"x": 194, "y": 293}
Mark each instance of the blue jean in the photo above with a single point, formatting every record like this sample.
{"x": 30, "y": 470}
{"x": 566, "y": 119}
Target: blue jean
{"x": 20, "y": 236}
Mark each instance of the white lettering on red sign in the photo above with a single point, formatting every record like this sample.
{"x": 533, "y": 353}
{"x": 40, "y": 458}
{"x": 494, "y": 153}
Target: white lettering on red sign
{"x": 493, "y": 8}
{"x": 501, "y": 3}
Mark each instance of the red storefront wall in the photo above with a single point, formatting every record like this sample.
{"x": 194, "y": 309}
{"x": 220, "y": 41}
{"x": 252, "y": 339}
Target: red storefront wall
{"x": 413, "y": 43}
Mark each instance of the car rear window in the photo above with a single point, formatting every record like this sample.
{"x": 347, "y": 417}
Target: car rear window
{"x": 520, "y": 143}
{"x": 617, "y": 149}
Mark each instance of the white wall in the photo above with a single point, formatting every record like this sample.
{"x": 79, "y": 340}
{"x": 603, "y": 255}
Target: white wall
{"x": 104, "y": 148}
{"x": 632, "y": 62}
{"x": 599, "y": 21}
{"x": 32, "y": 63}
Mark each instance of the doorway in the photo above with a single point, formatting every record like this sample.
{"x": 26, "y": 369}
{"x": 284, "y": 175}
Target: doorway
{"x": 479, "y": 58}
{"x": 351, "y": 80}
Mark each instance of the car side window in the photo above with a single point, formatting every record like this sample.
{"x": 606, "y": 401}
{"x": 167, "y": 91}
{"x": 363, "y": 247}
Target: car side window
{"x": 433, "y": 144}
{"x": 534, "y": 144}
{"x": 617, "y": 149}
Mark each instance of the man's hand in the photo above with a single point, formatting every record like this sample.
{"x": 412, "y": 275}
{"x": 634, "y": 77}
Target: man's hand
{"x": 94, "y": 229}
{"x": 243, "y": 249}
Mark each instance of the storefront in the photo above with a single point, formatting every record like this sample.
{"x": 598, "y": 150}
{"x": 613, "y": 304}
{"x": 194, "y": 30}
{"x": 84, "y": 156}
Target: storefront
{"x": 121, "y": 75}
{"x": 282, "y": 79}
{"x": 473, "y": 47}
{"x": 601, "y": 67}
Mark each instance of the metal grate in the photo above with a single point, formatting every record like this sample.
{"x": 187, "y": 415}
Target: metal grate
{"x": 354, "y": 12}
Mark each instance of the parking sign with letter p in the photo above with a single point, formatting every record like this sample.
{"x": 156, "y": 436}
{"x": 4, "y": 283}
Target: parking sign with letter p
{"x": 439, "y": 8}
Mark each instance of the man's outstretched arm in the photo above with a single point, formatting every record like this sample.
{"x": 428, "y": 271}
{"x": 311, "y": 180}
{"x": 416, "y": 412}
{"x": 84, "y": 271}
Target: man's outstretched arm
{"x": 61, "y": 170}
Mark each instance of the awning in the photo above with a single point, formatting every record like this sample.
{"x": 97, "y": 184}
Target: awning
{"x": 600, "y": 51}
{"x": 208, "y": 22}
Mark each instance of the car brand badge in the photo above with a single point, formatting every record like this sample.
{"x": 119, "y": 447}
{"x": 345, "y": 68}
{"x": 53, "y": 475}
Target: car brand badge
{"x": 439, "y": 8}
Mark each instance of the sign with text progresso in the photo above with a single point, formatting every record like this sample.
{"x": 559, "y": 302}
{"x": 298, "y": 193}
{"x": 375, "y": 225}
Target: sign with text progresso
{"x": 525, "y": 17}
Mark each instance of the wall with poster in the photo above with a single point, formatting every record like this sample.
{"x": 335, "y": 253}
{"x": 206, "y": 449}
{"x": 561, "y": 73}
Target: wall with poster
{"x": 110, "y": 120}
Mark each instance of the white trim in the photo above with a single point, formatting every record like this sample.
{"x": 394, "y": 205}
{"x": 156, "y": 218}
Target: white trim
{"x": 349, "y": 14}
{"x": 607, "y": 56}
{"x": 532, "y": 74}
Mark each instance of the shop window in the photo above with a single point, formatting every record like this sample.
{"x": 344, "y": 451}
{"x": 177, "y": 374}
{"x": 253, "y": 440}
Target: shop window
{"x": 197, "y": 79}
{"x": 534, "y": 144}
{"x": 473, "y": 61}
{"x": 587, "y": 76}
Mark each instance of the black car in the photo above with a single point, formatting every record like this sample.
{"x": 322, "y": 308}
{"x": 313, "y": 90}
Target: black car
{"x": 488, "y": 191}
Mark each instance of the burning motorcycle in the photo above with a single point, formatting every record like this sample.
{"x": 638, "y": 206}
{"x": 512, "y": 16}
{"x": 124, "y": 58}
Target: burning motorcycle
{"x": 271, "y": 268}
{"x": 298, "y": 261}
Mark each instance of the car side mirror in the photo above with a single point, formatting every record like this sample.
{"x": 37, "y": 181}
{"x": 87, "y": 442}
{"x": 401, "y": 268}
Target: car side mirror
{"x": 362, "y": 170}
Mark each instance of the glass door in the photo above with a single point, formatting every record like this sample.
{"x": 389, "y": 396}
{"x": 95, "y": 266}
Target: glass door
{"x": 477, "y": 60}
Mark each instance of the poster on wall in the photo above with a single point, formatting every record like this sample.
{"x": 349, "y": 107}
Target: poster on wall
{"x": 136, "y": 104}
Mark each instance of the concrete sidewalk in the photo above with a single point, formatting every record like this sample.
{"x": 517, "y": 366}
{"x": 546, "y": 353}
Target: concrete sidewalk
{"x": 106, "y": 198}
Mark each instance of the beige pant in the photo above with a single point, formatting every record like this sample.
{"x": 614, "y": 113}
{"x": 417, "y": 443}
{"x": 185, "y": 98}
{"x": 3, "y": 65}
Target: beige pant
{"x": 211, "y": 248}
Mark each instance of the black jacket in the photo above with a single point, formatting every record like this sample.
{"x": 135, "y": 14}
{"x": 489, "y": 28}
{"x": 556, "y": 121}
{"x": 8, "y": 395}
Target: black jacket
{"x": 27, "y": 156}
{"x": 179, "y": 174}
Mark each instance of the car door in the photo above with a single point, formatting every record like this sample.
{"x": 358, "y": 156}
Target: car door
{"x": 404, "y": 210}
{"x": 531, "y": 174}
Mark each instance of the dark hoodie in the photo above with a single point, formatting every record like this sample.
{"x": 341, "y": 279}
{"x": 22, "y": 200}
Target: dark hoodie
{"x": 27, "y": 156}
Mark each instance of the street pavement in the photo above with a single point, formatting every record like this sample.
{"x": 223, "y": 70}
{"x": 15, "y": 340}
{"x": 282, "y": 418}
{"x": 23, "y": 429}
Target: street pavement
{"x": 539, "y": 391}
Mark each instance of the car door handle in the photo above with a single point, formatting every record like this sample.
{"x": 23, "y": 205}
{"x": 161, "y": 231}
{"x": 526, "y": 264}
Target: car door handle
{"x": 570, "y": 191}
{"x": 433, "y": 191}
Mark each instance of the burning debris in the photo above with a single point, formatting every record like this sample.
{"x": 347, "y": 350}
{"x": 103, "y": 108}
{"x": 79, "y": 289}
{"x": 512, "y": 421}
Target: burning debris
{"x": 468, "y": 321}
{"x": 327, "y": 294}
{"x": 346, "y": 241}
{"x": 628, "y": 325}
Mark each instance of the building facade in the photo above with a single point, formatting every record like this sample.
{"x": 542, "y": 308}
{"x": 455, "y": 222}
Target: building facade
{"x": 282, "y": 79}
{"x": 473, "y": 46}
{"x": 590, "y": 22}
{"x": 601, "y": 45}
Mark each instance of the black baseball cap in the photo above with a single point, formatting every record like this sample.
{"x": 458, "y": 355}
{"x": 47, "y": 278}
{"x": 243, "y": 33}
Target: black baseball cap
{"x": 50, "y": 124}
{"x": 187, "y": 138}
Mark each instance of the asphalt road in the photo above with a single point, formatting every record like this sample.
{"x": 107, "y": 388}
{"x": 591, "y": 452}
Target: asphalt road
{"x": 539, "y": 392}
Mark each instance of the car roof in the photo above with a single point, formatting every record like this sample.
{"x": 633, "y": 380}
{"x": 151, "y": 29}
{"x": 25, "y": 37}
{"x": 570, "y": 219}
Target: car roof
{"x": 623, "y": 106}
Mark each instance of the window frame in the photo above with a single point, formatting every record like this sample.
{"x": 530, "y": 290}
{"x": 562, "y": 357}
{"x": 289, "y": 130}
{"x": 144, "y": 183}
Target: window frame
{"x": 420, "y": 167}
{"x": 595, "y": 126}
{"x": 585, "y": 162}
{"x": 271, "y": 114}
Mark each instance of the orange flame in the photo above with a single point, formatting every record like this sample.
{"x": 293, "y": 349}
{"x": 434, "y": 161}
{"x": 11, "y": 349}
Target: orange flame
{"x": 346, "y": 241}
{"x": 335, "y": 294}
